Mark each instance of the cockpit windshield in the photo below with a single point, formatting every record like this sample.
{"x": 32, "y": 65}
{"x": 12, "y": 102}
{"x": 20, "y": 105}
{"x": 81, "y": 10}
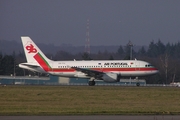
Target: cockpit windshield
{"x": 149, "y": 65}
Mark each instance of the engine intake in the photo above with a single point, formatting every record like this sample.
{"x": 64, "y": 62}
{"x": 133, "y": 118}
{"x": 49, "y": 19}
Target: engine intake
{"x": 111, "y": 77}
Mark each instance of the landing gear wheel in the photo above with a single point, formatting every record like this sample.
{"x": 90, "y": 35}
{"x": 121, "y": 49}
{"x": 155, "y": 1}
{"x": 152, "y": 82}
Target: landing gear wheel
{"x": 91, "y": 83}
{"x": 138, "y": 84}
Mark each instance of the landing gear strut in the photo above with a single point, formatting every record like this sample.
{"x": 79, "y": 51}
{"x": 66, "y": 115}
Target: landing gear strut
{"x": 91, "y": 81}
{"x": 137, "y": 84}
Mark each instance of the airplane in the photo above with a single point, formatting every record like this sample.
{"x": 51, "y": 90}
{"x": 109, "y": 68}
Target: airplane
{"x": 176, "y": 84}
{"x": 106, "y": 70}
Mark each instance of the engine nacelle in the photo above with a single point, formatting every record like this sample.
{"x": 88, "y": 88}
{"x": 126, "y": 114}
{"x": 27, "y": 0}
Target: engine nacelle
{"x": 111, "y": 77}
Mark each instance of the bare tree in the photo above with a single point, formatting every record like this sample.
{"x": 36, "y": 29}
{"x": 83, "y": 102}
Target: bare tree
{"x": 164, "y": 61}
{"x": 168, "y": 66}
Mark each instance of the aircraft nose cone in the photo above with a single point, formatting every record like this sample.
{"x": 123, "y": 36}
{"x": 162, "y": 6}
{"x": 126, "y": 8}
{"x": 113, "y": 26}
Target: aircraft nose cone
{"x": 156, "y": 71}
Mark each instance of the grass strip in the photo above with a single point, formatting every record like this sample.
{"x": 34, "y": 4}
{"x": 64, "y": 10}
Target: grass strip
{"x": 87, "y": 100}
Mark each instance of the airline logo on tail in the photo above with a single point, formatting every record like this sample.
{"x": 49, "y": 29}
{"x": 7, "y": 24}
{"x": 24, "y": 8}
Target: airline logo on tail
{"x": 31, "y": 48}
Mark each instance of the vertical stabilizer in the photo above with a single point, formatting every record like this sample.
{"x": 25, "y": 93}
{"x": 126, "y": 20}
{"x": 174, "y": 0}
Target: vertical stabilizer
{"x": 32, "y": 52}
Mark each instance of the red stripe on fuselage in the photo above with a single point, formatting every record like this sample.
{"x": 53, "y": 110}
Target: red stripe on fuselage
{"x": 104, "y": 69}
{"x": 42, "y": 63}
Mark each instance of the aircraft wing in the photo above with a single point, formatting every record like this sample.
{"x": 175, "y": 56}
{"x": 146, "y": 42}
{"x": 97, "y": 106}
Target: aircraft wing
{"x": 89, "y": 72}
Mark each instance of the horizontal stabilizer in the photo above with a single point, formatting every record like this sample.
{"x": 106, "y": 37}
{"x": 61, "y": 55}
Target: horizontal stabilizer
{"x": 29, "y": 65}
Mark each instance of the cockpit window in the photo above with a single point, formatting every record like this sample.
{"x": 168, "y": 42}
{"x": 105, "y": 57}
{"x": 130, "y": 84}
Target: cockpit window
{"x": 148, "y": 65}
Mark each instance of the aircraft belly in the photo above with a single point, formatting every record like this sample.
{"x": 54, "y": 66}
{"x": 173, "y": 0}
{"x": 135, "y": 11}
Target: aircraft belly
{"x": 63, "y": 74}
{"x": 80, "y": 75}
{"x": 137, "y": 73}
{"x": 70, "y": 74}
{"x": 134, "y": 73}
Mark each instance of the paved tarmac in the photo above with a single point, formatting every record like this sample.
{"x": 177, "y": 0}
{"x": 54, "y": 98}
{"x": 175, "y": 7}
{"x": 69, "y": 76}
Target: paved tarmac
{"x": 94, "y": 117}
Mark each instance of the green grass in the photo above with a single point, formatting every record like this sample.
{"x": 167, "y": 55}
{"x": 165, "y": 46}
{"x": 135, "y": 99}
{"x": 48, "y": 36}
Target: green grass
{"x": 86, "y": 100}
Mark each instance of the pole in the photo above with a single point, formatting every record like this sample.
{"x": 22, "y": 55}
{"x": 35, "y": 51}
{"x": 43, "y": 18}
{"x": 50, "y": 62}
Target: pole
{"x": 130, "y": 45}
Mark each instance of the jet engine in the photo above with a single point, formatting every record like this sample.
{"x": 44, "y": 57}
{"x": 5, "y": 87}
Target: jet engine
{"x": 111, "y": 77}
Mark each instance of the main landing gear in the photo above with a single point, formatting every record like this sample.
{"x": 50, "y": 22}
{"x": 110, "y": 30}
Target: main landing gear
{"x": 91, "y": 82}
{"x": 137, "y": 83}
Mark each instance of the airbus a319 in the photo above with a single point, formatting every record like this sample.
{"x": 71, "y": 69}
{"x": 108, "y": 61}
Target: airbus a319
{"x": 106, "y": 70}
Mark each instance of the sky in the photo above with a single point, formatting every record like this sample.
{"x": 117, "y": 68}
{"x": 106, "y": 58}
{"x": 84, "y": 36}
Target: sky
{"x": 111, "y": 22}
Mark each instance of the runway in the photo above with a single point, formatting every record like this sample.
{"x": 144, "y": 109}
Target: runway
{"x": 94, "y": 117}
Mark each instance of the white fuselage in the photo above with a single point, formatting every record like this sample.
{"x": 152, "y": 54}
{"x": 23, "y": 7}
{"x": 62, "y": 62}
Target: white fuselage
{"x": 122, "y": 67}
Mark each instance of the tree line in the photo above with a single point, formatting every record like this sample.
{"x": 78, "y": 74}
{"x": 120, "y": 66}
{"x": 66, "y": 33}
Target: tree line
{"x": 165, "y": 57}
